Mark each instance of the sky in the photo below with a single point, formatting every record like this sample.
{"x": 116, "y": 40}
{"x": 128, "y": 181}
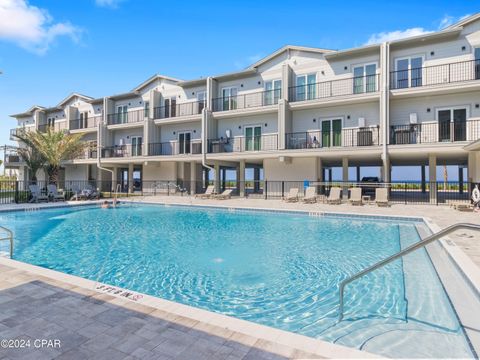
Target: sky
{"x": 49, "y": 49}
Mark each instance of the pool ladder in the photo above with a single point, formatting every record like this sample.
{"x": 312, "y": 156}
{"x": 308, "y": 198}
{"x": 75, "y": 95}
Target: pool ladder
{"x": 9, "y": 237}
{"x": 407, "y": 250}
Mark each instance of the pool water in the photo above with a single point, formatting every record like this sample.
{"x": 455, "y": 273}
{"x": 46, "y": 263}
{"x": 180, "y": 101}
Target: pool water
{"x": 278, "y": 269}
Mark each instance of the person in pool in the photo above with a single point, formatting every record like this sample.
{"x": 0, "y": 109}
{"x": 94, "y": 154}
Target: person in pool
{"x": 105, "y": 205}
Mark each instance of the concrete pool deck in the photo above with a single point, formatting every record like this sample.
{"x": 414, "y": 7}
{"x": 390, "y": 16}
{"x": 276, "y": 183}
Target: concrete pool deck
{"x": 40, "y": 303}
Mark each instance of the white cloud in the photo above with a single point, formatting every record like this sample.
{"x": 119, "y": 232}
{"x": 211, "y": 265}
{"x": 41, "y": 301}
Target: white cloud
{"x": 445, "y": 22}
{"x": 108, "y": 3}
{"x": 247, "y": 61}
{"x": 30, "y": 27}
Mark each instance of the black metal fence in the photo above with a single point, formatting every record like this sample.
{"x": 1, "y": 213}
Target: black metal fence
{"x": 247, "y": 100}
{"x": 243, "y": 143}
{"x": 85, "y": 123}
{"x": 177, "y": 110}
{"x": 434, "y": 193}
{"x": 364, "y": 136}
{"x": 127, "y": 117}
{"x": 175, "y": 148}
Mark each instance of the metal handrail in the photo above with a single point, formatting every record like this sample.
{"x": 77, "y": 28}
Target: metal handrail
{"x": 405, "y": 251}
{"x": 9, "y": 237}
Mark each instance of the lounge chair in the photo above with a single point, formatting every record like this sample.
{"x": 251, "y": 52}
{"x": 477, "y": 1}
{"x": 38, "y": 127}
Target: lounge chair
{"x": 89, "y": 192}
{"x": 381, "y": 197}
{"x": 292, "y": 195}
{"x": 461, "y": 206}
{"x": 335, "y": 196}
{"x": 227, "y": 194}
{"x": 356, "y": 196}
{"x": 77, "y": 193}
{"x": 37, "y": 195}
{"x": 209, "y": 192}
{"x": 310, "y": 195}
{"x": 54, "y": 194}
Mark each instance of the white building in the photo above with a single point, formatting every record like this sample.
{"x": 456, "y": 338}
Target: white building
{"x": 290, "y": 116}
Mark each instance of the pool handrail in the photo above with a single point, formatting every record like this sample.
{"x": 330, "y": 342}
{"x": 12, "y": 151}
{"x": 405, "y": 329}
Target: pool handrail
{"x": 9, "y": 237}
{"x": 407, "y": 250}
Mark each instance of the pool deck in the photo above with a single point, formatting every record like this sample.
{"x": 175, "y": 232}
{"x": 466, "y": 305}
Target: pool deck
{"x": 37, "y": 303}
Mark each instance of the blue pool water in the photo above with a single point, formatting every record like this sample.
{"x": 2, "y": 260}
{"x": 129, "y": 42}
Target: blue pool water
{"x": 281, "y": 270}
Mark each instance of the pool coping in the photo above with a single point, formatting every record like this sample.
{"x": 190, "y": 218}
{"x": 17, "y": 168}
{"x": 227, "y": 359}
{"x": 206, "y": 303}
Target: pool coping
{"x": 322, "y": 348}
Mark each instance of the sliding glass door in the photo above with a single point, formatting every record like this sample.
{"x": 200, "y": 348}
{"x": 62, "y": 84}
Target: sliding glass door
{"x": 332, "y": 132}
{"x": 253, "y": 138}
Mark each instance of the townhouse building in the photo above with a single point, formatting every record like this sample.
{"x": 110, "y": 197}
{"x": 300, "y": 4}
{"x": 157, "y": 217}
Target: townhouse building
{"x": 293, "y": 115}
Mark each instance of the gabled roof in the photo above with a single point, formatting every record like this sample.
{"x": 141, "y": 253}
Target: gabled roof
{"x": 467, "y": 20}
{"x": 29, "y": 112}
{"x": 72, "y": 95}
{"x": 152, "y": 79}
{"x": 287, "y": 48}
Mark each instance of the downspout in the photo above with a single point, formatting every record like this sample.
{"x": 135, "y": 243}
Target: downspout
{"x": 99, "y": 149}
{"x": 205, "y": 125}
{"x": 385, "y": 98}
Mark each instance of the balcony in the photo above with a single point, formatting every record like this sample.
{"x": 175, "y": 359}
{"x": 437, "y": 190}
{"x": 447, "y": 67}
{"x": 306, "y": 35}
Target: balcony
{"x": 242, "y": 144}
{"x": 435, "y": 75}
{"x": 129, "y": 117}
{"x": 330, "y": 89}
{"x": 88, "y": 123}
{"x": 247, "y": 101}
{"x": 178, "y": 110}
{"x": 351, "y": 137}
{"x": 175, "y": 148}
{"x": 429, "y": 133}
{"x": 121, "y": 151}
{"x": 60, "y": 126}
{"x": 13, "y": 160}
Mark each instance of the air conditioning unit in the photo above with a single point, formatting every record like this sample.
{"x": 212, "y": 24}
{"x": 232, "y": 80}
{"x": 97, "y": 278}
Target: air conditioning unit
{"x": 413, "y": 118}
{"x": 361, "y": 122}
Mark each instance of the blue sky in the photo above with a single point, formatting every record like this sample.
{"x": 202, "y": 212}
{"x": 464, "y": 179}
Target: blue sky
{"x": 49, "y": 49}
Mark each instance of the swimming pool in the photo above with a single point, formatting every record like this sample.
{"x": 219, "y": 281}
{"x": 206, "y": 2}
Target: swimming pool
{"x": 277, "y": 269}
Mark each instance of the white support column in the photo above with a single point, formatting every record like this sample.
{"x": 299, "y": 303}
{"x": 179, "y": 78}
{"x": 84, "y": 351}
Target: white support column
{"x": 345, "y": 169}
{"x": 193, "y": 178}
{"x": 217, "y": 177}
{"x": 130, "y": 178}
{"x": 115, "y": 177}
{"x": 432, "y": 177}
{"x": 241, "y": 178}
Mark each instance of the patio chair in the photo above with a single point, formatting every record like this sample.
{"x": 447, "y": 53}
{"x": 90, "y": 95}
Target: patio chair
{"x": 209, "y": 192}
{"x": 292, "y": 196}
{"x": 227, "y": 194}
{"x": 90, "y": 193}
{"x": 310, "y": 195}
{"x": 335, "y": 196}
{"x": 355, "y": 196}
{"x": 37, "y": 195}
{"x": 381, "y": 197}
{"x": 77, "y": 192}
{"x": 54, "y": 194}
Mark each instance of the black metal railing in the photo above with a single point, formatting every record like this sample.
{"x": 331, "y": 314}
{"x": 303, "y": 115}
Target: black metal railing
{"x": 247, "y": 100}
{"x": 365, "y": 136}
{"x": 11, "y": 159}
{"x": 424, "y": 133}
{"x": 85, "y": 123}
{"x": 57, "y": 126}
{"x": 175, "y": 148}
{"x": 435, "y": 75}
{"x": 340, "y": 87}
{"x": 117, "y": 151}
{"x": 129, "y": 117}
{"x": 178, "y": 110}
{"x": 243, "y": 143}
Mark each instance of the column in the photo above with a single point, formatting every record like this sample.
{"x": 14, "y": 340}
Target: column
{"x": 345, "y": 175}
{"x": 330, "y": 174}
{"x": 256, "y": 180}
{"x": 193, "y": 178}
{"x": 386, "y": 171}
{"x": 224, "y": 178}
{"x": 217, "y": 177}
{"x": 115, "y": 177}
{"x": 432, "y": 177}
{"x": 424, "y": 187}
{"x": 130, "y": 178}
{"x": 241, "y": 178}
{"x": 320, "y": 175}
{"x": 460, "y": 179}
{"x": 358, "y": 174}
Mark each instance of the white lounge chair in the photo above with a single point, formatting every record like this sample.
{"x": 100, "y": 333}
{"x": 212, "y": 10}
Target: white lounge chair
{"x": 89, "y": 192}
{"x": 77, "y": 192}
{"x": 37, "y": 195}
{"x": 292, "y": 196}
{"x": 381, "y": 197}
{"x": 356, "y": 196}
{"x": 209, "y": 192}
{"x": 54, "y": 194}
{"x": 227, "y": 194}
{"x": 310, "y": 195}
{"x": 335, "y": 196}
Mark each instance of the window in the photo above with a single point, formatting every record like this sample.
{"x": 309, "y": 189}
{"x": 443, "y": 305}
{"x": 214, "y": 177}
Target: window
{"x": 452, "y": 124}
{"x": 121, "y": 114}
{"x": 306, "y": 87}
{"x": 229, "y": 98}
{"x": 201, "y": 98}
{"x": 184, "y": 142}
{"x": 253, "y": 138}
{"x": 273, "y": 92}
{"x": 409, "y": 72}
{"x": 146, "y": 108}
{"x": 365, "y": 78}
{"x": 136, "y": 145}
{"x": 477, "y": 63}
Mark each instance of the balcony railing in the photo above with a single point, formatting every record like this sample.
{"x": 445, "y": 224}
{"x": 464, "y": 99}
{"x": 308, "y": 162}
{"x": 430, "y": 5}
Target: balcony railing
{"x": 178, "y": 110}
{"x": 246, "y": 101}
{"x": 88, "y": 123}
{"x": 427, "y": 133}
{"x": 129, "y": 117}
{"x": 243, "y": 143}
{"x": 351, "y": 137}
{"x": 175, "y": 148}
{"x": 12, "y": 159}
{"x": 341, "y": 87}
{"x": 57, "y": 126}
{"x": 435, "y": 75}
{"x": 120, "y": 151}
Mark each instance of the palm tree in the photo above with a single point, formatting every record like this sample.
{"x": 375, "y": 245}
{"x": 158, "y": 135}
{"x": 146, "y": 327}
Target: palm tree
{"x": 54, "y": 147}
{"x": 33, "y": 159}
